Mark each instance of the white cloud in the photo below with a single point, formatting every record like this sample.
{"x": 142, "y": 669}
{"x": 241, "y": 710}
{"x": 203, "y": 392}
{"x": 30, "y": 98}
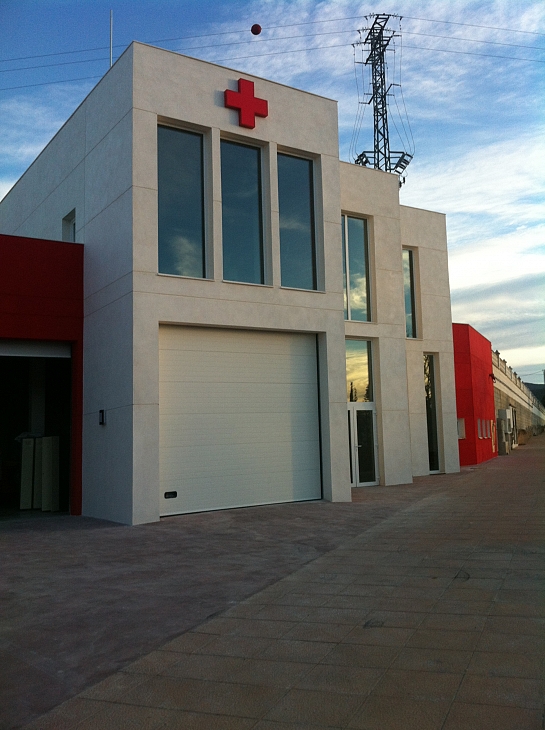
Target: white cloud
{"x": 502, "y": 179}
{"x": 524, "y": 357}
{"x": 5, "y": 185}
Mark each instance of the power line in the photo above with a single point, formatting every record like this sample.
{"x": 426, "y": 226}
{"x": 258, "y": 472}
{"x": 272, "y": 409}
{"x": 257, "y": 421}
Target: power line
{"x": 473, "y": 25}
{"x": 51, "y": 83}
{"x": 268, "y": 40}
{"x": 474, "y": 53}
{"x": 191, "y": 48}
{"x": 273, "y": 27}
{"x": 474, "y": 40}
{"x": 296, "y": 50}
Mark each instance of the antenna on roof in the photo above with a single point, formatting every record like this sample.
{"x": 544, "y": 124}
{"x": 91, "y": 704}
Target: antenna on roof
{"x": 111, "y": 36}
{"x": 377, "y": 41}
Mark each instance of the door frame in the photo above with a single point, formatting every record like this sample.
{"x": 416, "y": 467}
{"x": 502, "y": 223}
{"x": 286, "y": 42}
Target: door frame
{"x": 353, "y": 408}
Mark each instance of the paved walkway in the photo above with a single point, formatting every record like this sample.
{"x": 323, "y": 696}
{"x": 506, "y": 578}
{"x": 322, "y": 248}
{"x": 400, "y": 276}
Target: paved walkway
{"x": 431, "y": 618}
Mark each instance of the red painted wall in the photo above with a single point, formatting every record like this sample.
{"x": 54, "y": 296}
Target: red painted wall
{"x": 41, "y": 298}
{"x": 474, "y": 394}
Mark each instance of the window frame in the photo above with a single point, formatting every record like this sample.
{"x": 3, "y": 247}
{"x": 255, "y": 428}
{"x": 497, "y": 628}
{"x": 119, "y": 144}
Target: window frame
{"x": 204, "y": 133}
{"x": 346, "y": 267}
{"x": 413, "y": 298}
{"x": 314, "y": 165}
{"x": 263, "y": 211}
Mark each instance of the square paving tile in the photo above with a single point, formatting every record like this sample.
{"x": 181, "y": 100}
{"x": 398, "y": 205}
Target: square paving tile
{"x": 453, "y": 622}
{"x": 465, "y": 716}
{"x": 361, "y": 655}
{"x": 513, "y": 691}
{"x": 380, "y": 713}
{"x": 205, "y": 666}
{"x": 270, "y": 673}
{"x": 343, "y": 679}
{"x": 222, "y": 698}
{"x": 432, "y": 660}
{"x": 395, "y": 619}
{"x": 114, "y": 687}
{"x": 113, "y": 716}
{"x": 296, "y": 651}
{"x": 519, "y": 644}
{"x": 422, "y": 686}
{"x": 507, "y": 664}
{"x": 381, "y": 636}
{"x": 243, "y": 646}
{"x": 441, "y": 639}
{"x": 318, "y": 632}
{"x": 516, "y": 625}
{"x": 317, "y": 708}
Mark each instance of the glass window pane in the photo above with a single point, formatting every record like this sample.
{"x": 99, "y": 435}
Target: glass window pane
{"x": 180, "y": 202}
{"x": 358, "y": 371}
{"x": 408, "y": 287}
{"x": 357, "y": 281}
{"x": 242, "y": 220}
{"x": 343, "y": 224}
{"x": 296, "y": 205}
{"x": 431, "y": 412}
{"x": 366, "y": 446}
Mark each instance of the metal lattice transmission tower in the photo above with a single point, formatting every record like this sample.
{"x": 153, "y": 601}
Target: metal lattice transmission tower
{"x": 382, "y": 158}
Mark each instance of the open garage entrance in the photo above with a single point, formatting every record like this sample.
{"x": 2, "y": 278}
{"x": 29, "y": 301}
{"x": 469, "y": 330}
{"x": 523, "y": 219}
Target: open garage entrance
{"x": 35, "y": 428}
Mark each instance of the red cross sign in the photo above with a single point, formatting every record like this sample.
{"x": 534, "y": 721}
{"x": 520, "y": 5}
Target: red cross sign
{"x": 249, "y": 106}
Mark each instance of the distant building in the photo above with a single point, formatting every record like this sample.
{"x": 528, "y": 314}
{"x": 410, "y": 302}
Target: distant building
{"x": 262, "y": 323}
{"x": 492, "y": 403}
{"x": 514, "y": 400}
{"x": 477, "y": 438}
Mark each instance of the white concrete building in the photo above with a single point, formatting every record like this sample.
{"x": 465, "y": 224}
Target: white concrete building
{"x": 221, "y": 340}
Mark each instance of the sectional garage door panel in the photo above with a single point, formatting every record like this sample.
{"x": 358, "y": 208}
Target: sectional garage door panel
{"x": 238, "y": 418}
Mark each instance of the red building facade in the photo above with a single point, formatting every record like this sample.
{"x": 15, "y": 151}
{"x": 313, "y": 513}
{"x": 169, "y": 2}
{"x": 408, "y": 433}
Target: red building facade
{"x": 41, "y": 306}
{"x": 474, "y": 395}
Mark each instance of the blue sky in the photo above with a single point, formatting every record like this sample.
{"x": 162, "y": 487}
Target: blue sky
{"x": 476, "y": 114}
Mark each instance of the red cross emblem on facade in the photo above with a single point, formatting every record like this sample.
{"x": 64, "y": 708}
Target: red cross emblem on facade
{"x": 249, "y": 106}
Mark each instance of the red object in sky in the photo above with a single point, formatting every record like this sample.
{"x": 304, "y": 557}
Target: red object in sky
{"x": 256, "y": 29}
{"x": 248, "y": 105}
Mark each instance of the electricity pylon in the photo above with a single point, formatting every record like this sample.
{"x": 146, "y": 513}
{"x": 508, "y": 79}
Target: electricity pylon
{"x": 381, "y": 158}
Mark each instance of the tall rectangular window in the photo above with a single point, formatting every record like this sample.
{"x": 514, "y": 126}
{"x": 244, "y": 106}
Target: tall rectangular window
{"x": 408, "y": 289}
{"x": 242, "y": 214}
{"x": 180, "y": 182}
{"x": 69, "y": 227}
{"x": 431, "y": 412}
{"x": 297, "y": 237}
{"x": 355, "y": 269}
{"x": 359, "y": 382}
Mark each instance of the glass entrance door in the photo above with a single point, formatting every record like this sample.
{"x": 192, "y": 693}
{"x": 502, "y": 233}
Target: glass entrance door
{"x": 362, "y": 444}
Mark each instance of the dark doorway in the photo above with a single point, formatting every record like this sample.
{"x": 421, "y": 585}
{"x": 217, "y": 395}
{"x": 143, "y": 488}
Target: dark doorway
{"x": 35, "y": 402}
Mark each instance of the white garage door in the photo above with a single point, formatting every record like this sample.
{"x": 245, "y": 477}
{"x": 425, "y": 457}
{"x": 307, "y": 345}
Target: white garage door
{"x": 238, "y": 418}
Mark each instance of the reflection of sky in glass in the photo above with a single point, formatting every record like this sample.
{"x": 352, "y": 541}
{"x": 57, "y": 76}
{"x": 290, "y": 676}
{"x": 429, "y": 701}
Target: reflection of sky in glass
{"x": 358, "y": 285}
{"x": 408, "y": 287}
{"x": 180, "y": 202}
{"x": 296, "y": 209}
{"x": 242, "y": 226}
{"x": 358, "y": 371}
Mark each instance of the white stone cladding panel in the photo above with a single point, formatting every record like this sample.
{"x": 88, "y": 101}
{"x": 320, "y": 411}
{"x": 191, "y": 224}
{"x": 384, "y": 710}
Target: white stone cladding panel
{"x": 182, "y": 88}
